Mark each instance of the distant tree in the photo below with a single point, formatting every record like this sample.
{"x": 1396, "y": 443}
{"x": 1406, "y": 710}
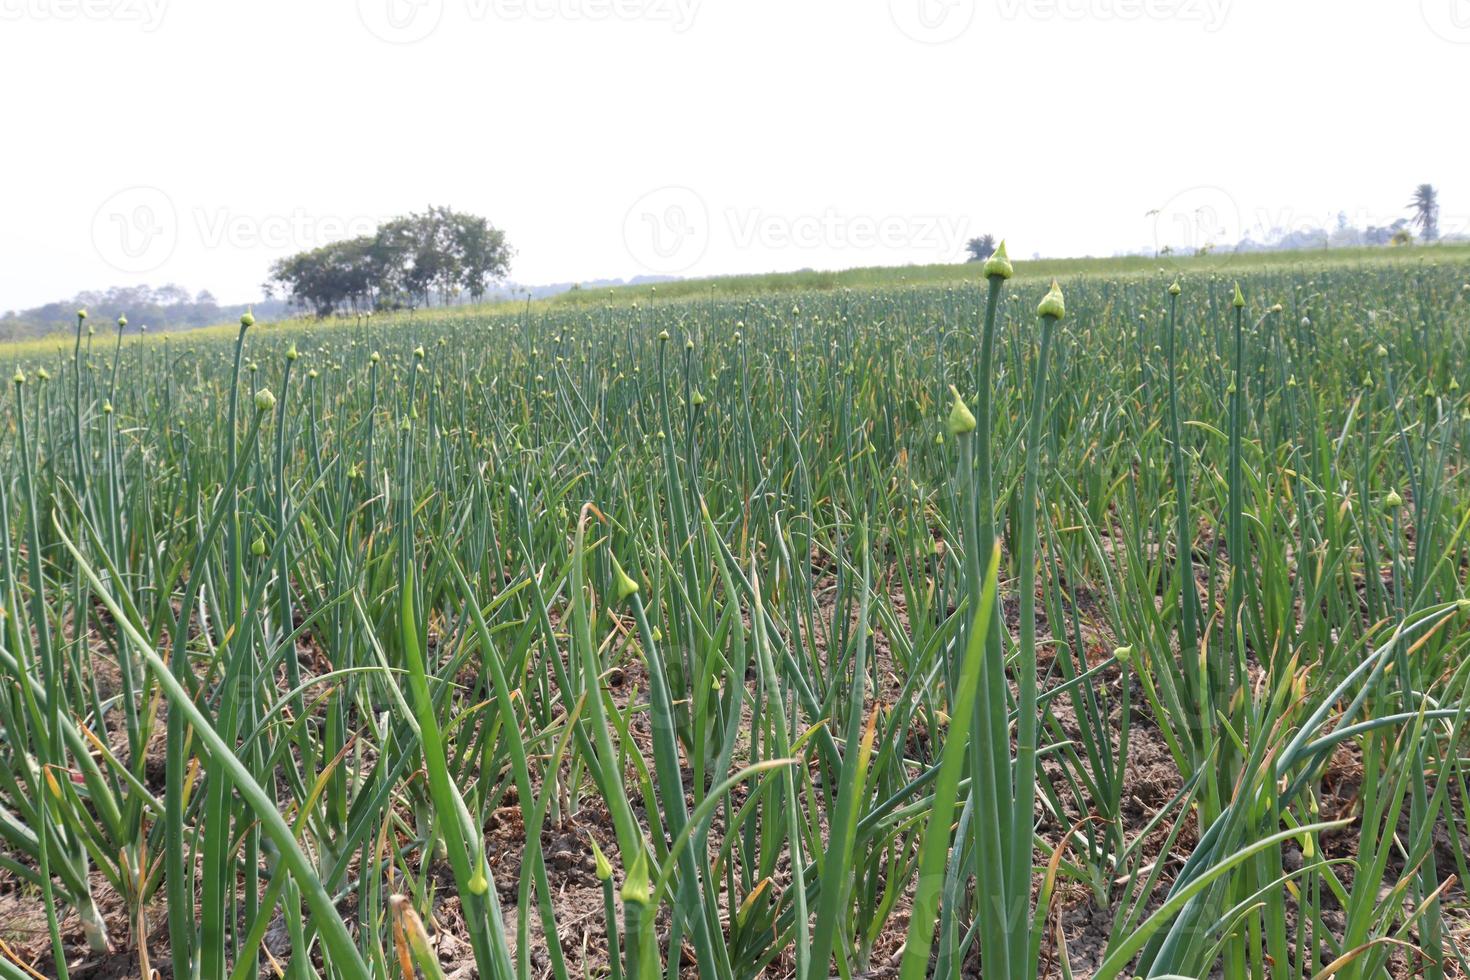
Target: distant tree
{"x": 1425, "y": 207}
{"x": 980, "y": 248}
{"x": 404, "y": 264}
{"x": 169, "y": 294}
{"x": 1376, "y": 235}
{"x": 162, "y": 308}
{"x": 484, "y": 256}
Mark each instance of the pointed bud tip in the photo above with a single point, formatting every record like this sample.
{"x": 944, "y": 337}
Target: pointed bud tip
{"x": 1053, "y": 304}
{"x": 635, "y": 886}
{"x": 961, "y": 419}
{"x": 603, "y": 865}
{"x": 626, "y": 584}
{"x": 998, "y": 265}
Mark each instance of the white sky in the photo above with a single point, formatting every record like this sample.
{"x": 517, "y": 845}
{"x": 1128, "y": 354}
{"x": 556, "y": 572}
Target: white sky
{"x": 195, "y": 141}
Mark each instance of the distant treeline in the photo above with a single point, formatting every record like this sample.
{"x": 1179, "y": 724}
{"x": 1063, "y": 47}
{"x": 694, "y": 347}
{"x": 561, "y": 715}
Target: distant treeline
{"x": 407, "y": 263}
{"x": 161, "y": 308}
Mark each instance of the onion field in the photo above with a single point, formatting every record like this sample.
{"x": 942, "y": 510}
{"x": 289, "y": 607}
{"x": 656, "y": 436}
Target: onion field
{"x": 1113, "y": 629}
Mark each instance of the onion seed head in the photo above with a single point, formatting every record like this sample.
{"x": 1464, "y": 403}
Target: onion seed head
{"x": 1052, "y": 304}
{"x": 603, "y": 865}
{"x": 635, "y": 886}
{"x": 998, "y": 265}
{"x": 961, "y": 419}
{"x": 626, "y": 585}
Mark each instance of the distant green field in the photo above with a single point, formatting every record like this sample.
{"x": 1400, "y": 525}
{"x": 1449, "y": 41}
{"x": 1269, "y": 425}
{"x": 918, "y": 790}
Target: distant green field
{"x": 876, "y": 277}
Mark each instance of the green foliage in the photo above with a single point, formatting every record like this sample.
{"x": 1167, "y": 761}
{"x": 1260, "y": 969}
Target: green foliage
{"x": 841, "y": 618}
{"x": 404, "y": 264}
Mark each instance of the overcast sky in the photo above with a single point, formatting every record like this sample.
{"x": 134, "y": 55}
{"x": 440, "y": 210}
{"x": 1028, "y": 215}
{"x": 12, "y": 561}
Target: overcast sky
{"x": 194, "y": 141}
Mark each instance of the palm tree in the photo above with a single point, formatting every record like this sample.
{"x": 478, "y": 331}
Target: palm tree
{"x": 1425, "y": 205}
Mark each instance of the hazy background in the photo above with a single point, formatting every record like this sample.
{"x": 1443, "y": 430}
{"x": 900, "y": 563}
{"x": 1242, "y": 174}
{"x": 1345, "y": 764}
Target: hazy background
{"x": 195, "y": 142}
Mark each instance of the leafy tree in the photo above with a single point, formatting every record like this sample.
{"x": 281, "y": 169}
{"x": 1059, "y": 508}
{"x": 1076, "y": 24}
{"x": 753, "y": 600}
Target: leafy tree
{"x": 1425, "y": 206}
{"x": 408, "y": 261}
{"x": 159, "y": 308}
{"x": 980, "y": 248}
{"x": 484, "y": 256}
